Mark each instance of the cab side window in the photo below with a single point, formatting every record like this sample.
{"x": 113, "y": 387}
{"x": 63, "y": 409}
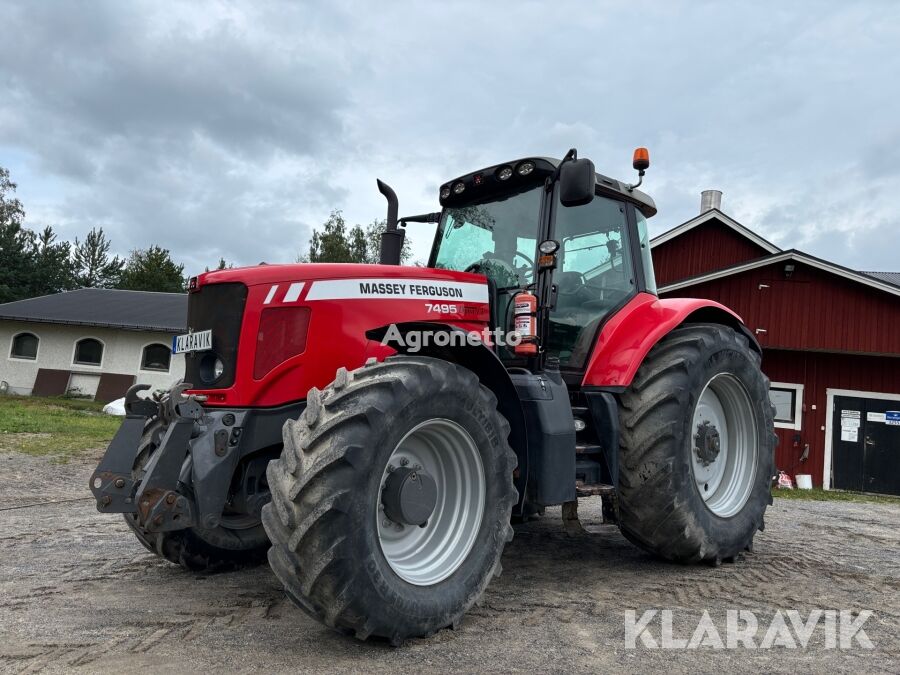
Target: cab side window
{"x": 594, "y": 275}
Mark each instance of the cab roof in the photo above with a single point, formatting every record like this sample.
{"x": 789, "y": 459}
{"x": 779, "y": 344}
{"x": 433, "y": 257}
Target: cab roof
{"x": 484, "y": 184}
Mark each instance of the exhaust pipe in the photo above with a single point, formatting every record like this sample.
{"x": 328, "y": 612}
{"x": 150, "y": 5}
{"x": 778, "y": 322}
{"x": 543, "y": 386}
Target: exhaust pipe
{"x": 392, "y": 237}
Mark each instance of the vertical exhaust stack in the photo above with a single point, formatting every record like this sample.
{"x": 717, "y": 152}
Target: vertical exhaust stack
{"x": 710, "y": 199}
{"x": 392, "y": 237}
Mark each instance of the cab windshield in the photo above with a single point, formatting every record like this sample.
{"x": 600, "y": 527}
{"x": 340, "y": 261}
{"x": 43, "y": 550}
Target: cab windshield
{"x": 497, "y": 239}
{"x": 594, "y": 273}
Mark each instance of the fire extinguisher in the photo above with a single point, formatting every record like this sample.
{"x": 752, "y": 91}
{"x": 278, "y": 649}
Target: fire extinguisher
{"x": 526, "y": 323}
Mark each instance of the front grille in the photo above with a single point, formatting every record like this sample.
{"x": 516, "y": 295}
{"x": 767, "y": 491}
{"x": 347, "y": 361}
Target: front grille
{"x": 220, "y": 308}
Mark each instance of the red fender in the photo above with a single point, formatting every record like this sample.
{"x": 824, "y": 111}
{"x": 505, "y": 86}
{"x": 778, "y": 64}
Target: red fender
{"x": 633, "y": 330}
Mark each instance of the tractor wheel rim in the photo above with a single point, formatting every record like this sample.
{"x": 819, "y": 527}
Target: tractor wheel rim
{"x": 725, "y": 481}
{"x": 239, "y": 521}
{"x": 426, "y": 555}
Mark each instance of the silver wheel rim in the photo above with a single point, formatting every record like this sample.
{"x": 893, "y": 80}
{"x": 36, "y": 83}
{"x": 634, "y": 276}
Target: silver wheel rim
{"x": 424, "y": 556}
{"x": 725, "y": 481}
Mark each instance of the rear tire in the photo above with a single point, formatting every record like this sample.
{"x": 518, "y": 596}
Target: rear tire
{"x": 340, "y": 559}
{"x": 679, "y": 501}
{"x": 198, "y": 549}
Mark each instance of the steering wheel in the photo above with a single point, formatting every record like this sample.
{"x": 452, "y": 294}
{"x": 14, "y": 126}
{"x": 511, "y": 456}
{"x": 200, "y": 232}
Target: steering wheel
{"x": 481, "y": 266}
{"x": 527, "y": 259}
{"x": 566, "y": 288}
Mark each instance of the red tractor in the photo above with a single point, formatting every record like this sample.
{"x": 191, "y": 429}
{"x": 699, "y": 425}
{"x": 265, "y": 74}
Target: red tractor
{"x": 375, "y": 428}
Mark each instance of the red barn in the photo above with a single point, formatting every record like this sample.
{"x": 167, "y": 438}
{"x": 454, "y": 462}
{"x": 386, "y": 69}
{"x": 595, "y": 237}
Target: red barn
{"x": 830, "y": 338}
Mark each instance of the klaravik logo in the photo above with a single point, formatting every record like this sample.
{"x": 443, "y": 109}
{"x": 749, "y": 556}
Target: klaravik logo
{"x": 743, "y": 630}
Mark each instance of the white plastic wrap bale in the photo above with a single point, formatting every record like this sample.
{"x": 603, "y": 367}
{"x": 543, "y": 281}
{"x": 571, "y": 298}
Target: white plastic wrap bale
{"x": 116, "y": 407}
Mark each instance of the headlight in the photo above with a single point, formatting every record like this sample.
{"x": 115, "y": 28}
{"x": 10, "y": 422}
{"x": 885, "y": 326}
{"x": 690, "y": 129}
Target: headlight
{"x": 525, "y": 168}
{"x": 211, "y": 368}
{"x": 505, "y": 173}
{"x": 445, "y": 192}
{"x": 548, "y": 246}
{"x": 458, "y": 188}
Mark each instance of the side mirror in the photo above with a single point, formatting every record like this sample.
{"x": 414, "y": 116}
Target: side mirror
{"x": 577, "y": 180}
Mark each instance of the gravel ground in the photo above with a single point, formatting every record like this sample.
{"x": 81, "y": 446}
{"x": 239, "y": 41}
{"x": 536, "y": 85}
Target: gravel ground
{"x": 79, "y": 593}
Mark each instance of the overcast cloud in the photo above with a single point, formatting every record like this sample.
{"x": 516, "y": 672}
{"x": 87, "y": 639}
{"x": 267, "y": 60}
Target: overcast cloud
{"x": 230, "y": 129}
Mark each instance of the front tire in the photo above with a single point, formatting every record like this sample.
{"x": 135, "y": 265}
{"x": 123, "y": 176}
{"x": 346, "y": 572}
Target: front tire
{"x": 337, "y": 545}
{"x": 696, "y": 447}
{"x": 237, "y": 543}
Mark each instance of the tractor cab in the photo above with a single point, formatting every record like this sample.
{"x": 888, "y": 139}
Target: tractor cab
{"x": 576, "y": 239}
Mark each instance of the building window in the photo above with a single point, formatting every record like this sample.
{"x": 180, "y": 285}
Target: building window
{"x": 24, "y": 346}
{"x": 788, "y": 402}
{"x": 156, "y": 357}
{"x": 88, "y": 352}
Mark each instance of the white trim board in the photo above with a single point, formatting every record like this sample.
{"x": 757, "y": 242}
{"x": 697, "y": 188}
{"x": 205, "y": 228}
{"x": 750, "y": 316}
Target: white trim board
{"x": 705, "y": 217}
{"x": 783, "y": 257}
{"x": 829, "y": 422}
{"x": 798, "y": 405}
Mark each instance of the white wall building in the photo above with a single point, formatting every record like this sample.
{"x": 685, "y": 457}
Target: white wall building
{"x": 91, "y": 342}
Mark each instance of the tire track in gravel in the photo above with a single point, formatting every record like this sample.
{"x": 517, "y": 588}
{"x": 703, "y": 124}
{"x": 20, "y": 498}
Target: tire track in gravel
{"x": 146, "y": 636}
{"x": 79, "y": 593}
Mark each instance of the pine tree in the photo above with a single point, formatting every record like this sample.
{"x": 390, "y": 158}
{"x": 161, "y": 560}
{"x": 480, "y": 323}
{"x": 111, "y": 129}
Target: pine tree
{"x": 53, "y": 268}
{"x": 152, "y": 269}
{"x": 16, "y": 244}
{"x": 93, "y": 268}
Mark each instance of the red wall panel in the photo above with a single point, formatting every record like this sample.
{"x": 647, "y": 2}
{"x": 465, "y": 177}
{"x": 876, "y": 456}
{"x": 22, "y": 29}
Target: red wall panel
{"x": 811, "y": 310}
{"x": 817, "y": 372}
{"x": 816, "y": 328}
{"x": 706, "y": 248}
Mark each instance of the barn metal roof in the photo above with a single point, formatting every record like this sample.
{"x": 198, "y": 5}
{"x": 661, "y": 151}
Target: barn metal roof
{"x": 890, "y": 277}
{"x": 104, "y": 307}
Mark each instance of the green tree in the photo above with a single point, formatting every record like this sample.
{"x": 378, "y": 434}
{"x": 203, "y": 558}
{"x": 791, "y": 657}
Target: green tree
{"x": 93, "y": 268}
{"x": 11, "y": 210}
{"x": 336, "y": 243}
{"x": 373, "y": 242}
{"x": 359, "y": 245}
{"x": 16, "y": 244}
{"x": 53, "y": 268}
{"x": 152, "y": 269}
{"x": 331, "y": 244}
{"x": 223, "y": 265}
{"x": 16, "y": 262}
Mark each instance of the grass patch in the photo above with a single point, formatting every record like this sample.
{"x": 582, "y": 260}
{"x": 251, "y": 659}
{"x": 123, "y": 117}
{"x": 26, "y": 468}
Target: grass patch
{"x": 818, "y": 494}
{"x": 61, "y": 427}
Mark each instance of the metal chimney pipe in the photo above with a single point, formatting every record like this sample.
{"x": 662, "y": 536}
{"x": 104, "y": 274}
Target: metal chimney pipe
{"x": 710, "y": 199}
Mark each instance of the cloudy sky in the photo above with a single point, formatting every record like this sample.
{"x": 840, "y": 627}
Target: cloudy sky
{"x": 232, "y": 128}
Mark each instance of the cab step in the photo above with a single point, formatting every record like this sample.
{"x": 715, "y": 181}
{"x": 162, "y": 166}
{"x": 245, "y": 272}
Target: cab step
{"x": 597, "y": 490}
{"x": 588, "y": 449}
